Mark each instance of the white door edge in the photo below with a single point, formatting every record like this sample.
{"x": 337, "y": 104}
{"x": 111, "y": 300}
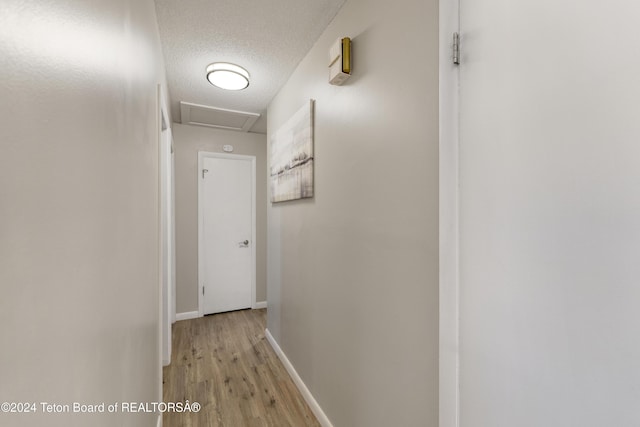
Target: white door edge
{"x": 201, "y": 156}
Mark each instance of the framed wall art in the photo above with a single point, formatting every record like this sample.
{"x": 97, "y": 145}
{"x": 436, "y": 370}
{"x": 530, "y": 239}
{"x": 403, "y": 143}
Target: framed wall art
{"x": 291, "y": 157}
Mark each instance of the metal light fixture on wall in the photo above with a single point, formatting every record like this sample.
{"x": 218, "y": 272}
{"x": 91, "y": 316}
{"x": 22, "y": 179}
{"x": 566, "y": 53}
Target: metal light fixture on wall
{"x": 340, "y": 61}
{"x": 227, "y": 76}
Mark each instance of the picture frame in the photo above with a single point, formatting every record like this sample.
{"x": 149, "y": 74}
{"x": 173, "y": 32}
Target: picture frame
{"x": 292, "y": 157}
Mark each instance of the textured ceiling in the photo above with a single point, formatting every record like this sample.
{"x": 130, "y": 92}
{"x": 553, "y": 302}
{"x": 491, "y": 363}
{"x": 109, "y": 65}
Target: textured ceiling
{"x": 267, "y": 37}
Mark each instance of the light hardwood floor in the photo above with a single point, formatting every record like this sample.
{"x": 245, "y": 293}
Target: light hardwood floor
{"x": 225, "y": 363}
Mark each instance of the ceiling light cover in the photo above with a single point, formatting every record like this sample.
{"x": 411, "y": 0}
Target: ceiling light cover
{"x": 227, "y": 76}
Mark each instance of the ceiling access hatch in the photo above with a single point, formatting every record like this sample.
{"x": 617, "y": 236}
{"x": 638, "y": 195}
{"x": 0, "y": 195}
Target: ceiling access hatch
{"x": 221, "y": 118}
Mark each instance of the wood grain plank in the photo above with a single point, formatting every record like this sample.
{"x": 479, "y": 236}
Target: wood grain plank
{"x": 225, "y": 363}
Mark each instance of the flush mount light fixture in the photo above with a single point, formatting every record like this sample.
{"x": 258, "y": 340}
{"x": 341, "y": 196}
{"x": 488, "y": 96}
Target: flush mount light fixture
{"x": 227, "y": 76}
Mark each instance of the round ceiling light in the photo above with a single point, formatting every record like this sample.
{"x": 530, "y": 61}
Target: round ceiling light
{"x": 227, "y": 76}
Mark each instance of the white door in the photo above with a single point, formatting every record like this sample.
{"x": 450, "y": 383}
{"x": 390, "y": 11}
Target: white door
{"x": 549, "y": 213}
{"x": 227, "y": 232}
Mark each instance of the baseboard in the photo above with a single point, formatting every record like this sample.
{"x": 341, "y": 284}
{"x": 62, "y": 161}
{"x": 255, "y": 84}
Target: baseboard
{"x": 260, "y": 304}
{"x": 187, "y": 315}
{"x": 306, "y": 394}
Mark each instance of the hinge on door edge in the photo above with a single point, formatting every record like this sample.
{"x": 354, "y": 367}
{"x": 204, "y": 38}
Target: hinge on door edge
{"x": 203, "y": 290}
{"x": 456, "y": 48}
{"x": 204, "y": 171}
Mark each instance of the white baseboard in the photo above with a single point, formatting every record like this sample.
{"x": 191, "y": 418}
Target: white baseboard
{"x": 260, "y": 304}
{"x": 308, "y": 397}
{"x": 187, "y": 315}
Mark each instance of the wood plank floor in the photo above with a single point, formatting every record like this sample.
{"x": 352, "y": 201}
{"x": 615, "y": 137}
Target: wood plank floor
{"x": 225, "y": 363}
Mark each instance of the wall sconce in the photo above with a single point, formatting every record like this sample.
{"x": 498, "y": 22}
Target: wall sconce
{"x": 340, "y": 61}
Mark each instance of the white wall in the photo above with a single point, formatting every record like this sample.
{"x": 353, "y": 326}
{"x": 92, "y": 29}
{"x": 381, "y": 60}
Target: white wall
{"x": 79, "y": 312}
{"x": 353, "y": 272}
{"x": 188, "y": 140}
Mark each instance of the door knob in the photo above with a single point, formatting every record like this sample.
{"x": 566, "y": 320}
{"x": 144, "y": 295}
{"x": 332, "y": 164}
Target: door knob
{"x": 245, "y": 243}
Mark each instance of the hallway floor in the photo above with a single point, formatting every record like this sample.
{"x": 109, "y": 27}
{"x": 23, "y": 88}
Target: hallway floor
{"x": 225, "y": 363}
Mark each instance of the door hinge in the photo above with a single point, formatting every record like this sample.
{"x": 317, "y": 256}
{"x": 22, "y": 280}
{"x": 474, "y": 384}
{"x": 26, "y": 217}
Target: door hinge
{"x": 456, "y": 48}
{"x": 204, "y": 171}
{"x": 203, "y": 290}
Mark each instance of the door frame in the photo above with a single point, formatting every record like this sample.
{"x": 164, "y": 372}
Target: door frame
{"x": 202, "y": 155}
{"x": 166, "y": 228}
{"x": 449, "y": 232}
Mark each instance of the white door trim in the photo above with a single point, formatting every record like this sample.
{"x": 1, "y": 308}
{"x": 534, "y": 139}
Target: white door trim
{"x": 163, "y": 244}
{"x": 449, "y": 345}
{"x": 201, "y": 156}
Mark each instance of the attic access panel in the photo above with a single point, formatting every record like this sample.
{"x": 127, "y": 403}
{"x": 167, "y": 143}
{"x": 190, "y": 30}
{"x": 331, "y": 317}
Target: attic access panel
{"x": 221, "y": 118}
